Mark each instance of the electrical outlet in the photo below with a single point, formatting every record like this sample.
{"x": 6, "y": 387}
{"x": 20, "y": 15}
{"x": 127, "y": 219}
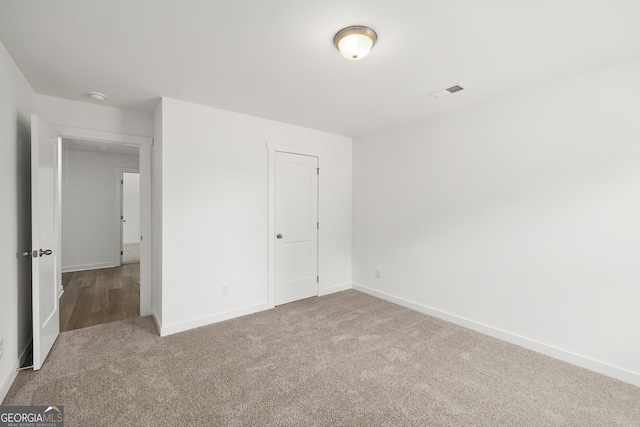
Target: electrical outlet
{"x": 1, "y": 348}
{"x": 225, "y": 289}
{"x": 379, "y": 273}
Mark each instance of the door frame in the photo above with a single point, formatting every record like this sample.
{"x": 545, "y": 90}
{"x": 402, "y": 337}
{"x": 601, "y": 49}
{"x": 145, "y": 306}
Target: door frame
{"x": 144, "y": 144}
{"x": 119, "y": 171}
{"x": 273, "y": 148}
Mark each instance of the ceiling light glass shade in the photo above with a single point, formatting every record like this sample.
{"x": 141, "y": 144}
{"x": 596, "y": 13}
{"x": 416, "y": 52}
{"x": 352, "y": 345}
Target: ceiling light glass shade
{"x": 355, "y": 42}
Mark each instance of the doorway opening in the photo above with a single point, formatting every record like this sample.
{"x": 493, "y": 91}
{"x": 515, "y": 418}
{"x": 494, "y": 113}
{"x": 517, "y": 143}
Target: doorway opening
{"x": 46, "y": 223}
{"x": 97, "y": 286}
{"x": 130, "y": 218}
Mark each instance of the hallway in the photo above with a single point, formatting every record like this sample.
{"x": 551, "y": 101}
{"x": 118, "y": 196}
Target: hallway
{"x": 94, "y": 297}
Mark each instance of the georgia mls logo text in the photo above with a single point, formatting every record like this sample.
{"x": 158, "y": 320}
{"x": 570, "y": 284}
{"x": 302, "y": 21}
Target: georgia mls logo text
{"x": 31, "y": 416}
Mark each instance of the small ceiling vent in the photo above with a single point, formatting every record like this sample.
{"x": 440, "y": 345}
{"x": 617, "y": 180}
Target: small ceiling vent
{"x": 455, "y": 88}
{"x": 448, "y": 91}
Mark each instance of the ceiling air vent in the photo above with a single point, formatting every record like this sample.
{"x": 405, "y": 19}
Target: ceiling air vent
{"x": 448, "y": 91}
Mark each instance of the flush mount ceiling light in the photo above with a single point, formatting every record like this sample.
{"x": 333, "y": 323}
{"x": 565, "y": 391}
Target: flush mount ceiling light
{"x": 355, "y": 42}
{"x": 97, "y": 96}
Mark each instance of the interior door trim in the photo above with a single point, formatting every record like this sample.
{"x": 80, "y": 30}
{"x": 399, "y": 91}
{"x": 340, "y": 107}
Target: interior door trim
{"x": 271, "y": 218}
{"x": 144, "y": 143}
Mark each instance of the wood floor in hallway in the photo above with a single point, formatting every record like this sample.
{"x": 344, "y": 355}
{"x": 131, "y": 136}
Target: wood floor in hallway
{"x": 94, "y": 297}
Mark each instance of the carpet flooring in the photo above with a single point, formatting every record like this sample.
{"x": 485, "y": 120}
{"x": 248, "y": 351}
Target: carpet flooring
{"x": 344, "y": 359}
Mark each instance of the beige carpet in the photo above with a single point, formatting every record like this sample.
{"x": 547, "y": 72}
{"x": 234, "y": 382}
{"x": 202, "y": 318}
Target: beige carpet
{"x": 344, "y": 359}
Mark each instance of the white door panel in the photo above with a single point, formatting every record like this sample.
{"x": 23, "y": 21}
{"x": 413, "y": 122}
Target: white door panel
{"x": 45, "y": 237}
{"x": 130, "y": 207}
{"x": 296, "y": 218}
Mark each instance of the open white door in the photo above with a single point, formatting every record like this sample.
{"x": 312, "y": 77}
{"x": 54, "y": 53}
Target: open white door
{"x": 45, "y": 237}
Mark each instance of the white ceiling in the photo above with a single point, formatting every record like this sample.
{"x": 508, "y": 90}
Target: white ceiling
{"x": 276, "y": 59}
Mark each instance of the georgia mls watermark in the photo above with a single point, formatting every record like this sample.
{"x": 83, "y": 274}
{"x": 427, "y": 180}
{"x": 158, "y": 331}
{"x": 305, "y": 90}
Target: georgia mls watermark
{"x": 31, "y": 416}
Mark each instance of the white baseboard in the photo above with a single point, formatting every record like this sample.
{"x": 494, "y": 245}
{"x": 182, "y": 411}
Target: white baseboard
{"x": 196, "y": 323}
{"x": 333, "y": 289}
{"x": 557, "y": 353}
{"x": 8, "y": 380}
{"x": 96, "y": 266}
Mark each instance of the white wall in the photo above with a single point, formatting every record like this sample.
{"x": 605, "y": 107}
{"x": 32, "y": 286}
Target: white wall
{"x": 214, "y": 211}
{"x": 131, "y": 207}
{"x": 519, "y": 217}
{"x": 156, "y": 216}
{"x": 89, "y": 229}
{"x": 90, "y": 115}
{"x": 16, "y": 106}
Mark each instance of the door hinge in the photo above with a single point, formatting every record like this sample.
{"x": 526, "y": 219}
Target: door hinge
{"x": 121, "y": 181}
{"x": 121, "y": 253}
{"x": 318, "y": 225}
{"x": 318, "y": 169}
{"x": 317, "y": 279}
{"x": 141, "y": 237}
